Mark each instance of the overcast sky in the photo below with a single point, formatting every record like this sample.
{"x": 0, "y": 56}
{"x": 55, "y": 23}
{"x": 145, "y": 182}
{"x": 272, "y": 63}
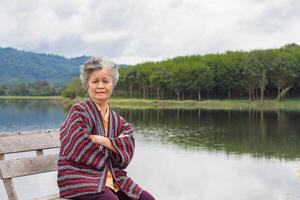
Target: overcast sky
{"x": 132, "y": 31}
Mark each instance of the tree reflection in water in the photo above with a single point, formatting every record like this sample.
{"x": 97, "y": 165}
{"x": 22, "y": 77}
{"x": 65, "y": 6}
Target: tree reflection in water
{"x": 258, "y": 133}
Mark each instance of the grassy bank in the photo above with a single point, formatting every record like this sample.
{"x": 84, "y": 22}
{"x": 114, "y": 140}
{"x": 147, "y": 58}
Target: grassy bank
{"x": 209, "y": 104}
{"x": 289, "y": 104}
{"x": 293, "y": 104}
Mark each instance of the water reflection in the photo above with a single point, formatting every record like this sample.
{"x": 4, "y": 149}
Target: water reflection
{"x": 25, "y": 104}
{"x": 22, "y": 115}
{"x": 187, "y": 154}
{"x": 258, "y": 133}
{"x": 261, "y": 134}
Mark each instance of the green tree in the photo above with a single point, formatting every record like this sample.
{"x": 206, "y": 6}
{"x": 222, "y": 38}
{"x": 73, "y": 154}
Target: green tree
{"x": 284, "y": 72}
{"x": 2, "y": 90}
{"x": 127, "y": 80}
{"x": 20, "y": 89}
{"x": 230, "y": 76}
{"x": 249, "y": 78}
{"x": 256, "y": 67}
{"x": 158, "y": 78}
{"x": 73, "y": 89}
{"x": 142, "y": 76}
{"x": 200, "y": 78}
{"x": 177, "y": 80}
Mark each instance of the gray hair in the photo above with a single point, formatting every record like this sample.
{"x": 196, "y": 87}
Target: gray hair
{"x": 95, "y": 63}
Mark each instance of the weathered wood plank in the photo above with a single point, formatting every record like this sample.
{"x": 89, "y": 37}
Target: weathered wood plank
{"x": 30, "y": 141}
{"x": 10, "y": 189}
{"x": 22, "y": 142}
{"x": 28, "y": 166}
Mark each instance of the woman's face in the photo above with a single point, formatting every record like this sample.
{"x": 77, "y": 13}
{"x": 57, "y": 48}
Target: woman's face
{"x": 100, "y": 85}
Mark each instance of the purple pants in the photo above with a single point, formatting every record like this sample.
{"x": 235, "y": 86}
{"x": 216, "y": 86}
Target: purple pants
{"x": 108, "y": 194}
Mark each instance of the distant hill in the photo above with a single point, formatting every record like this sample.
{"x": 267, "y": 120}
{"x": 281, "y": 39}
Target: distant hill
{"x": 25, "y": 67}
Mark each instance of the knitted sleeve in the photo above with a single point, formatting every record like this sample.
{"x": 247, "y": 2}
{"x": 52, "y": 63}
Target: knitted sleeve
{"x": 124, "y": 143}
{"x": 75, "y": 144}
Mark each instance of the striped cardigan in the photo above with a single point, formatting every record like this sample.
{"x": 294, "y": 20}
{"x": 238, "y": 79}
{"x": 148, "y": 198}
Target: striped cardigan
{"x": 83, "y": 164}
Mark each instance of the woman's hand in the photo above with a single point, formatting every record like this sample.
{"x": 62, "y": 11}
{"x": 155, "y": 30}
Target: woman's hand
{"x": 98, "y": 139}
{"x": 103, "y": 141}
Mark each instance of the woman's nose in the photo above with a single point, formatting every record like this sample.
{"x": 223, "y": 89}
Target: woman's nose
{"x": 100, "y": 84}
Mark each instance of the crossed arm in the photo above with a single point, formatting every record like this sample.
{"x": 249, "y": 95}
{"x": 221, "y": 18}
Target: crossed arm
{"x": 122, "y": 147}
{"x": 104, "y": 141}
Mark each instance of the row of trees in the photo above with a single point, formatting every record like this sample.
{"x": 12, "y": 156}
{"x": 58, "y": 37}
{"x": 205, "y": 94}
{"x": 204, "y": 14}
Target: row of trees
{"x": 38, "y": 88}
{"x": 271, "y": 73}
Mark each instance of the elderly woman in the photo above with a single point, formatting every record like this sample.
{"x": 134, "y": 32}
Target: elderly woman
{"x": 97, "y": 144}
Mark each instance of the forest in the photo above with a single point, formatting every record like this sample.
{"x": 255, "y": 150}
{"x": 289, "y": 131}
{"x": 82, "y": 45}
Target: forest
{"x": 256, "y": 74}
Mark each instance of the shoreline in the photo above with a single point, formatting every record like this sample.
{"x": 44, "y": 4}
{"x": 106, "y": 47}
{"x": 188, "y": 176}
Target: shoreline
{"x": 293, "y": 104}
{"x": 214, "y": 104}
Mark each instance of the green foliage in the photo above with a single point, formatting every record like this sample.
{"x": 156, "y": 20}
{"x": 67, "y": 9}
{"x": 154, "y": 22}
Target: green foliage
{"x": 73, "y": 89}
{"x": 233, "y": 74}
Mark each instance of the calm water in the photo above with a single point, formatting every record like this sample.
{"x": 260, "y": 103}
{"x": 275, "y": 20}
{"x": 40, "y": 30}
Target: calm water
{"x": 186, "y": 154}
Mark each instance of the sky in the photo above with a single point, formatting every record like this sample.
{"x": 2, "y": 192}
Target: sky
{"x": 135, "y": 31}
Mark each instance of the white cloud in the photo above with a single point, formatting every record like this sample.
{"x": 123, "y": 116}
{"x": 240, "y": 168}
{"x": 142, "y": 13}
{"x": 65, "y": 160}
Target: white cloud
{"x": 131, "y": 31}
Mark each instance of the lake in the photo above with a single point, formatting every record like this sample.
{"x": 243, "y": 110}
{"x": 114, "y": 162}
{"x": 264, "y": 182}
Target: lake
{"x": 186, "y": 154}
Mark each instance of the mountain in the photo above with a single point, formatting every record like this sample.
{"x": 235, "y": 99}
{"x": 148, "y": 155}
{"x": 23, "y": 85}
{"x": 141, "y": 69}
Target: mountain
{"x": 25, "y": 67}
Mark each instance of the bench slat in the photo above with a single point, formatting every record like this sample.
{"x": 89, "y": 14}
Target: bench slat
{"x": 28, "y": 166}
{"x": 10, "y": 189}
{"x": 29, "y": 142}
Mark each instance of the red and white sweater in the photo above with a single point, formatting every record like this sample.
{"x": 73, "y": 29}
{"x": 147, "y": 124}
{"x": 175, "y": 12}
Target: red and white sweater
{"x": 83, "y": 164}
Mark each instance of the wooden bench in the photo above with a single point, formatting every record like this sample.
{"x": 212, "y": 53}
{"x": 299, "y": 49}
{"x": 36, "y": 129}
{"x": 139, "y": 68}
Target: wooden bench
{"x": 36, "y": 141}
